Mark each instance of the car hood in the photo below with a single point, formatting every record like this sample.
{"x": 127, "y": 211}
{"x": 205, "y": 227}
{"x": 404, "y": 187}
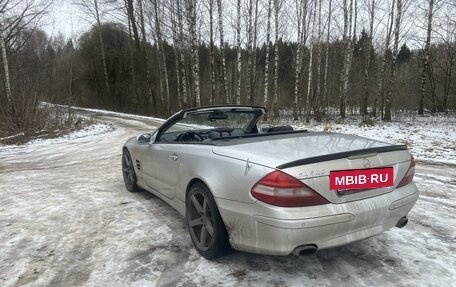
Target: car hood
{"x": 273, "y": 151}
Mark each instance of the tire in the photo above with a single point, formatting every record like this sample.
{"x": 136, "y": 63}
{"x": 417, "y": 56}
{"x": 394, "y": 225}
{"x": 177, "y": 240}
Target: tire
{"x": 206, "y": 228}
{"x": 128, "y": 172}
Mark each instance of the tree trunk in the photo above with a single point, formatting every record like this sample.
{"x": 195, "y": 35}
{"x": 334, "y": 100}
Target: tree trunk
{"x": 367, "y": 50}
{"x": 165, "y": 99}
{"x": 325, "y": 85}
{"x": 176, "y": 47}
{"x": 310, "y": 67}
{"x": 223, "y": 75}
{"x": 194, "y": 52}
{"x": 103, "y": 55}
{"x": 237, "y": 95}
{"x": 381, "y": 82}
{"x": 346, "y": 62}
{"x": 389, "y": 95}
{"x": 183, "y": 71}
{"x": 131, "y": 16}
{"x": 9, "y": 97}
{"x": 150, "y": 94}
{"x": 301, "y": 7}
{"x": 317, "y": 100}
{"x": 211, "y": 43}
{"x": 267, "y": 60}
{"x": 10, "y": 105}
{"x": 427, "y": 52}
{"x": 249, "y": 51}
{"x": 276, "y": 98}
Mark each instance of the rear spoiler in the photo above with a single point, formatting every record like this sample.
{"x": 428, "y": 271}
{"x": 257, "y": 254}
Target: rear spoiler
{"x": 340, "y": 155}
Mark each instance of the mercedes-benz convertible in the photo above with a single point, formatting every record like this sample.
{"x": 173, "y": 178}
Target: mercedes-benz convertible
{"x": 270, "y": 189}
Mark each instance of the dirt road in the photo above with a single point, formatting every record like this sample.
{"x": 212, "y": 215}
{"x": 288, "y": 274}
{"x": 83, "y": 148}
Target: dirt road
{"x": 67, "y": 220}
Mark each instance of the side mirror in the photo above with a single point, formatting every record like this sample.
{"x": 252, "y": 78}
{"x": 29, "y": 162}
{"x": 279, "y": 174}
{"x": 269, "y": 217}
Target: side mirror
{"x": 144, "y": 138}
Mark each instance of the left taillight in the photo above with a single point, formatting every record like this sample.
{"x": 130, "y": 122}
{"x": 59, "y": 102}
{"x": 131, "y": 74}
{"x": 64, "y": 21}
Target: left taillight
{"x": 408, "y": 178}
{"x": 280, "y": 189}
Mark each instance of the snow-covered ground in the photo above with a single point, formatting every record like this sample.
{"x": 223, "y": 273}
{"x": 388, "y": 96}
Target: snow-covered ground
{"x": 67, "y": 220}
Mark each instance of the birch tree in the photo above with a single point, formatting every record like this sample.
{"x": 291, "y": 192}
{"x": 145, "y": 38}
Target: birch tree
{"x": 277, "y": 8}
{"x": 381, "y": 82}
{"x": 325, "y": 84}
{"x": 237, "y": 94}
{"x": 164, "y": 87}
{"x": 6, "y": 72}
{"x": 397, "y": 27}
{"x": 267, "y": 58}
{"x": 310, "y": 67}
{"x": 348, "y": 51}
{"x": 211, "y": 47}
{"x": 194, "y": 50}
{"x": 367, "y": 49}
{"x": 425, "y": 68}
{"x": 301, "y": 8}
{"x": 222, "y": 53}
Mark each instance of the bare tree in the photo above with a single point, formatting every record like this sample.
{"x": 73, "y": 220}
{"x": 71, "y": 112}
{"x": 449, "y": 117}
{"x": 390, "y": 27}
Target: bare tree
{"x": 310, "y": 67}
{"x": 191, "y": 6}
{"x": 93, "y": 9}
{"x": 211, "y": 44}
{"x": 15, "y": 18}
{"x": 6, "y": 72}
{"x": 397, "y": 26}
{"x": 222, "y": 53}
{"x": 181, "y": 54}
{"x": 381, "y": 82}
{"x": 165, "y": 99}
{"x": 277, "y": 8}
{"x": 237, "y": 94}
{"x": 368, "y": 45}
{"x": 346, "y": 59}
{"x": 267, "y": 59}
{"x": 425, "y": 69}
{"x": 325, "y": 85}
{"x": 301, "y": 9}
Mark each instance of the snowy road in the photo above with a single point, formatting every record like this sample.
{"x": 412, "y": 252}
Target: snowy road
{"x": 67, "y": 220}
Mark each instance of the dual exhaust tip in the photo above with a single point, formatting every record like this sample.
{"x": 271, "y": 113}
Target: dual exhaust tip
{"x": 310, "y": 249}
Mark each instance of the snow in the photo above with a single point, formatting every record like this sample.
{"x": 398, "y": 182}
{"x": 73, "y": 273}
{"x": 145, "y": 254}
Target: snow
{"x": 67, "y": 220}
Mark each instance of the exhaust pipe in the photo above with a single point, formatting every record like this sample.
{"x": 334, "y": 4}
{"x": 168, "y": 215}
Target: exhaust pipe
{"x": 402, "y": 222}
{"x": 308, "y": 249}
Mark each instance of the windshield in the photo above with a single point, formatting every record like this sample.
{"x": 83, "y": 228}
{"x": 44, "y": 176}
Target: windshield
{"x": 202, "y": 125}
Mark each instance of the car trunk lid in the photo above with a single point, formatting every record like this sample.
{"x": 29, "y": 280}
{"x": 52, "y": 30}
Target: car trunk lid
{"x": 311, "y": 157}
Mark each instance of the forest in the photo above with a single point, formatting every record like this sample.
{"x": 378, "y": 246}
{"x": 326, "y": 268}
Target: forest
{"x": 302, "y": 59}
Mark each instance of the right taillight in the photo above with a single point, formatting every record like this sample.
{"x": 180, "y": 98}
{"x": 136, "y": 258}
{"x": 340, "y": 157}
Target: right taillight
{"x": 408, "y": 178}
{"x": 280, "y": 189}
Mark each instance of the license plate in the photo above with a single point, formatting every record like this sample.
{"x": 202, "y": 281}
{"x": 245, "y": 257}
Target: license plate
{"x": 361, "y": 178}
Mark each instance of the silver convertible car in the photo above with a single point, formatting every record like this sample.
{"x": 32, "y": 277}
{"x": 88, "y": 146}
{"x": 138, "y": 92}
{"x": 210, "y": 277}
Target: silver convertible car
{"x": 270, "y": 189}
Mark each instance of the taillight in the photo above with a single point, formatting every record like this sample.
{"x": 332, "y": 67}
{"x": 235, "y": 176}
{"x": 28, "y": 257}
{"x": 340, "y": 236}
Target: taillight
{"x": 408, "y": 178}
{"x": 280, "y": 189}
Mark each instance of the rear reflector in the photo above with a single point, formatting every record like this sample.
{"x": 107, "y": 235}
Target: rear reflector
{"x": 408, "y": 178}
{"x": 280, "y": 189}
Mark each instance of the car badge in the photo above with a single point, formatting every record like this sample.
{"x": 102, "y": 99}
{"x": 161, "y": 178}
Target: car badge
{"x": 366, "y": 163}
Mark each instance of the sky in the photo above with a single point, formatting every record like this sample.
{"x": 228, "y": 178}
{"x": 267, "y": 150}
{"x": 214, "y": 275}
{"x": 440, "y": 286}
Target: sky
{"x": 64, "y": 18}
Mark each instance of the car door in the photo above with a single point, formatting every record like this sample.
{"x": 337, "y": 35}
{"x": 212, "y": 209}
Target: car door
{"x": 160, "y": 166}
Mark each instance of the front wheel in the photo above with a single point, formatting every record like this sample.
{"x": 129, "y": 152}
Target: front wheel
{"x": 128, "y": 171}
{"x": 207, "y": 231}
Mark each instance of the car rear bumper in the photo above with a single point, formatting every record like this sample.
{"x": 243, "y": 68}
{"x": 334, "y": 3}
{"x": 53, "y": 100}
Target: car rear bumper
{"x": 266, "y": 229}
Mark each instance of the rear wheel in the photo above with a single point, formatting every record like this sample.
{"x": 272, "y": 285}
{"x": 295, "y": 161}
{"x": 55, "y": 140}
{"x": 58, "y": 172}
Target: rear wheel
{"x": 207, "y": 231}
{"x": 128, "y": 171}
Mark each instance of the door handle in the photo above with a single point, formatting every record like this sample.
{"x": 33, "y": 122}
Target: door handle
{"x": 173, "y": 157}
